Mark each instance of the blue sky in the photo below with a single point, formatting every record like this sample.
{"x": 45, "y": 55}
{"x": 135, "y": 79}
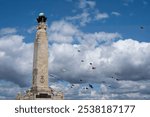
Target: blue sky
{"x": 133, "y": 14}
{"x": 113, "y": 35}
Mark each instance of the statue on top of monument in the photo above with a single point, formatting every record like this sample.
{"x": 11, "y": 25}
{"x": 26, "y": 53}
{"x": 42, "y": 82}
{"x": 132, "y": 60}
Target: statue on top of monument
{"x": 41, "y": 18}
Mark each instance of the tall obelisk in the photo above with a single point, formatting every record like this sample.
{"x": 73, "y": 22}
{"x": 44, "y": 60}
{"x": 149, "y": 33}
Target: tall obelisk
{"x": 40, "y": 88}
{"x": 40, "y": 58}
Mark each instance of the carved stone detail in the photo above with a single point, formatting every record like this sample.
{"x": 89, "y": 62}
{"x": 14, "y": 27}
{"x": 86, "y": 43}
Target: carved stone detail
{"x": 40, "y": 88}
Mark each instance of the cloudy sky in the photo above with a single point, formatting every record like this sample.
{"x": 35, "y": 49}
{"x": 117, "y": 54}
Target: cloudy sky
{"x": 98, "y": 49}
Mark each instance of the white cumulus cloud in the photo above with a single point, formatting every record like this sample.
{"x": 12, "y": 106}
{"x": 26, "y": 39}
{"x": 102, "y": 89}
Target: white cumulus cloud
{"x": 117, "y": 70}
{"x": 15, "y": 65}
{"x": 8, "y": 30}
{"x": 86, "y": 3}
{"x": 115, "y": 13}
{"x": 100, "y": 16}
{"x": 87, "y": 13}
{"x": 62, "y": 32}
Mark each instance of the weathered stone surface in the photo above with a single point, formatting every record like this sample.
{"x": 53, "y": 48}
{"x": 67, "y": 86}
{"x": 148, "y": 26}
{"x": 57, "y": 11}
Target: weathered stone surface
{"x": 40, "y": 64}
{"x": 40, "y": 89}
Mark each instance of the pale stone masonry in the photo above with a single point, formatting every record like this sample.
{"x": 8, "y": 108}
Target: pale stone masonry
{"x": 40, "y": 89}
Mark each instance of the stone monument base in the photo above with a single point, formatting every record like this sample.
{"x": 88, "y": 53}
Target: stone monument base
{"x": 40, "y": 94}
